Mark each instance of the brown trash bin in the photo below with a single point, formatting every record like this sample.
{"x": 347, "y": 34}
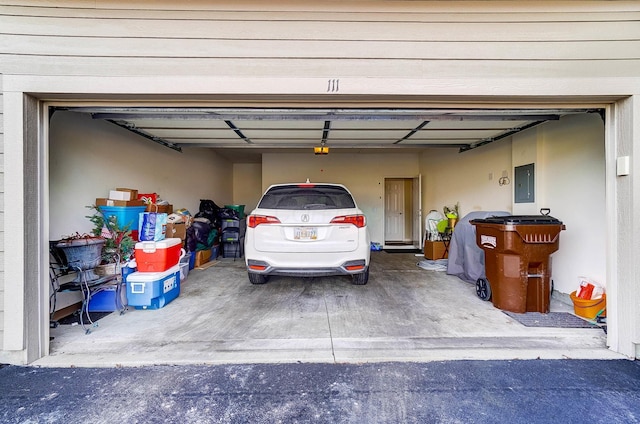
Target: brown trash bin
{"x": 517, "y": 251}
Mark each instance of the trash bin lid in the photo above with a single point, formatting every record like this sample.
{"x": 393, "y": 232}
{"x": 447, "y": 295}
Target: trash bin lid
{"x": 519, "y": 220}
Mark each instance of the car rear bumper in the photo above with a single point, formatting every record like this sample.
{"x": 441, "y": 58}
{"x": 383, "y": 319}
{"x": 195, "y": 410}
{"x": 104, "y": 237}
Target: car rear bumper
{"x": 347, "y": 268}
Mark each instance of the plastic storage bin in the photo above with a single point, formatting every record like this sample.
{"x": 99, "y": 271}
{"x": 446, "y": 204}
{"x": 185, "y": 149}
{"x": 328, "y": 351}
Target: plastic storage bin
{"x": 237, "y": 208}
{"x": 184, "y": 266}
{"x": 233, "y": 249}
{"x": 153, "y": 290}
{"x": 105, "y": 300}
{"x": 192, "y": 260}
{"x": 230, "y": 234}
{"x": 215, "y": 251}
{"x": 158, "y": 256}
{"x": 126, "y": 215}
{"x": 517, "y": 251}
{"x": 239, "y": 224}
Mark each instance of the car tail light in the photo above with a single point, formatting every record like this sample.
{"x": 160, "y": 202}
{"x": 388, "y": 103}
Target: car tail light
{"x": 254, "y": 265}
{"x": 357, "y": 220}
{"x": 255, "y": 220}
{"x": 356, "y": 265}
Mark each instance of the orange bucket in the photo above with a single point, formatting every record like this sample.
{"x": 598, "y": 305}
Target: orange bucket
{"x": 589, "y": 308}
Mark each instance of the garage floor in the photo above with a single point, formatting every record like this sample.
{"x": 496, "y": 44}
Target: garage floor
{"x": 405, "y": 313}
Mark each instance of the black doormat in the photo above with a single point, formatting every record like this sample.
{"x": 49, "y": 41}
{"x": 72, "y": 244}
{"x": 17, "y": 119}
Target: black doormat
{"x": 552, "y": 319}
{"x": 75, "y": 318}
{"x": 402, "y": 250}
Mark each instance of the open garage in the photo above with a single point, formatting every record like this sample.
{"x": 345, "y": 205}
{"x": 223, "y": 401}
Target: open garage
{"x": 405, "y": 312}
{"x": 450, "y": 136}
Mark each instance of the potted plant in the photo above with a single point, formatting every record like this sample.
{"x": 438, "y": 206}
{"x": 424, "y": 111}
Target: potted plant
{"x": 452, "y": 213}
{"x": 83, "y": 253}
{"x": 118, "y": 246}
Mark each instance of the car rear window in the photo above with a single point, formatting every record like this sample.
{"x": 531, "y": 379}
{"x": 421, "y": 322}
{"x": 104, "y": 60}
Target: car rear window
{"x": 307, "y": 197}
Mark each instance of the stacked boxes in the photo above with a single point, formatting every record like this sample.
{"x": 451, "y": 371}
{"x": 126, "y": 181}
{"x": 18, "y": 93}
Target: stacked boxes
{"x": 123, "y": 204}
{"x": 233, "y": 231}
{"x": 157, "y": 281}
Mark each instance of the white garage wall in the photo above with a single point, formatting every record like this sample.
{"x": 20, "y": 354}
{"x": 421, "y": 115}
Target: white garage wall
{"x": 570, "y": 180}
{"x": 362, "y": 173}
{"x": 88, "y": 158}
{"x": 569, "y": 161}
{"x": 470, "y": 178}
{"x": 247, "y": 184}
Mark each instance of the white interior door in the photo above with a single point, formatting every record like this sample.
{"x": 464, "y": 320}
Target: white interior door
{"x": 416, "y": 208}
{"x": 393, "y": 210}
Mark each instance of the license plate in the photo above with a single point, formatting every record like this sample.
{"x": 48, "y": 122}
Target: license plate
{"x": 305, "y": 233}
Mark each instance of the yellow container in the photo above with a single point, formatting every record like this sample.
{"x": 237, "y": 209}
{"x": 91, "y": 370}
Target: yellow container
{"x": 589, "y": 308}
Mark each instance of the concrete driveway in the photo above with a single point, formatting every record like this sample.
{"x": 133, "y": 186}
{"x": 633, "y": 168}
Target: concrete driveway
{"x": 405, "y": 313}
{"x": 543, "y": 391}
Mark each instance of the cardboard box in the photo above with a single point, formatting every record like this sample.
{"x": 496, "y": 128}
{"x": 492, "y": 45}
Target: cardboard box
{"x": 120, "y": 195}
{"x": 202, "y": 257}
{"x": 160, "y": 208}
{"x": 111, "y": 202}
{"x": 434, "y": 250}
{"x": 176, "y": 230}
{"x": 133, "y": 192}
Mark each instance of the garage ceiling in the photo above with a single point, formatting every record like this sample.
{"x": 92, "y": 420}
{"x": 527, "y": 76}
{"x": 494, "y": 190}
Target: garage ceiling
{"x": 234, "y": 130}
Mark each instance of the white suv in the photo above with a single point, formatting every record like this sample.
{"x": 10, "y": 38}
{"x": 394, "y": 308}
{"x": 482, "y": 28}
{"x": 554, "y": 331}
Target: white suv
{"x": 307, "y": 230}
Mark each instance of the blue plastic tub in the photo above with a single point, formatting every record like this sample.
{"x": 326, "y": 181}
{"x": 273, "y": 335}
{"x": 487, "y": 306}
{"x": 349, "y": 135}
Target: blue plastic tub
{"x": 192, "y": 260}
{"x": 126, "y": 215}
{"x": 105, "y": 300}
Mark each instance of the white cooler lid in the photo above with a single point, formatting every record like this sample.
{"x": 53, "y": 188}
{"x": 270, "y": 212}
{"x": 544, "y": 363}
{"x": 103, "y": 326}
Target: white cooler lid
{"x": 140, "y": 277}
{"x": 162, "y": 244}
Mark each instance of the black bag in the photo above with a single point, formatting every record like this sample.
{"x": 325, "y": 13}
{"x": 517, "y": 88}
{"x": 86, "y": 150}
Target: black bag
{"x": 209, "y": 210}
{"x": 227, "y": 213}
{"x": 208, "y": 207}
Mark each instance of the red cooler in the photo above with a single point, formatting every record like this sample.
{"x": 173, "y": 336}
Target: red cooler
{"x": 158, "y": 256}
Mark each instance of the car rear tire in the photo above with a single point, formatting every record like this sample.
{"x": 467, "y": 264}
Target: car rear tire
{"x": 257, "y": 278}
{"x": 361, "y": 278}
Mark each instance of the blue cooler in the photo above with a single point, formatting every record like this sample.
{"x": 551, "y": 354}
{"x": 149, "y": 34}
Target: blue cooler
{"x": 153, "y": 290}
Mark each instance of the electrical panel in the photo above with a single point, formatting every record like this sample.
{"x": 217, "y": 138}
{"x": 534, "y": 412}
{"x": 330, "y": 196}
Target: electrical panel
{"x": 524, "y": 184}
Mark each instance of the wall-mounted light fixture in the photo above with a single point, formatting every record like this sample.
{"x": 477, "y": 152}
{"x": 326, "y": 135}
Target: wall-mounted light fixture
{"x": 321, "y": 150}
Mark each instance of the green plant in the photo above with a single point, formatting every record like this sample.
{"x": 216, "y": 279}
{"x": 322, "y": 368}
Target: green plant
{"x": 118, "y": 244}
{"x": 452, "y": 211}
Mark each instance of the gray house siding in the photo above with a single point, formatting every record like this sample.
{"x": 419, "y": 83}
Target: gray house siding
{"x": 378, "y": 39}
{"x": 2, "y": 320}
